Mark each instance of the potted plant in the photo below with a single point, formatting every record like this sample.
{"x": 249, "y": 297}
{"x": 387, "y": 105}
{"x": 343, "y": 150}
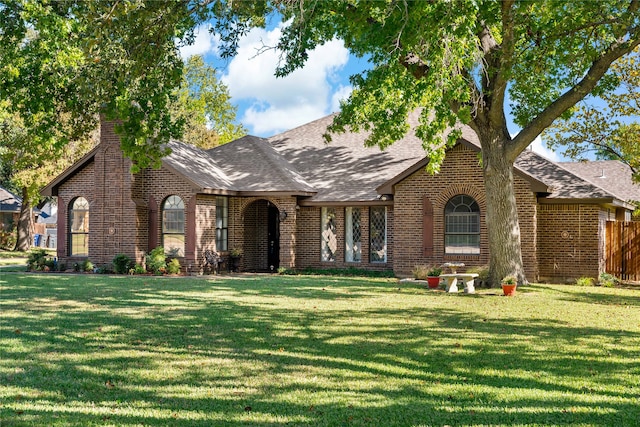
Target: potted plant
{"x": 234, "y": 255}
{"x": 509, "y": 284}
{"x": 433, "y": 277}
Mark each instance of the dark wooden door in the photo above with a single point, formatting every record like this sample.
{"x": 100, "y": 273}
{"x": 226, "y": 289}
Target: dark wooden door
{"x": 273, "y": 253}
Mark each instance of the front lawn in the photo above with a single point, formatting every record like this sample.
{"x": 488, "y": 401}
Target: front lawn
{"x": 84, "y": 350}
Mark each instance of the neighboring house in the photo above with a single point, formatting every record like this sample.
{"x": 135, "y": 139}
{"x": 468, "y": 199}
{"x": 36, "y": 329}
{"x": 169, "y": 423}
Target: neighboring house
{"x": 47, "y": 225}
{"x": 294, "y": 201}
{"x": 10, "y": 206}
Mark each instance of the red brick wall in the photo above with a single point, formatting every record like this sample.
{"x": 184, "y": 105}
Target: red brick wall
{"x": 460, "y": 174}
{"x": 309, "y": 229}
{"x": 569, "y": 242}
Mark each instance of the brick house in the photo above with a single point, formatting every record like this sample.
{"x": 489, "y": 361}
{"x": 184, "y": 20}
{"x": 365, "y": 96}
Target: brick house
{"x": 294, "y": 201}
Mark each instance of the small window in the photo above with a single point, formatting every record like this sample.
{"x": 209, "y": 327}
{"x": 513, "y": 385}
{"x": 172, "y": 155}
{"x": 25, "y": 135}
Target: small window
{"x": 79, "y": 227}
{"x": 222, "y": 223}
{"x": 462, "y": 226}
{"x": 352, "y": 235}
{"x": 378, "y": 234}
{"x": 173, "y": 226}
{"x": 329, "y": 236}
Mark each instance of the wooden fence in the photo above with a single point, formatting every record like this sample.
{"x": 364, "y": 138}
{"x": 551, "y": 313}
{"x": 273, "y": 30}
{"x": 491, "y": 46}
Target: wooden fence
{"x": 622, "y": 250}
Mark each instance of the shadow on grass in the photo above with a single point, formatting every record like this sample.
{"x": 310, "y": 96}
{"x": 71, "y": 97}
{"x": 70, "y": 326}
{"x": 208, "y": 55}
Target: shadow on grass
{"x": 318, "y": 351}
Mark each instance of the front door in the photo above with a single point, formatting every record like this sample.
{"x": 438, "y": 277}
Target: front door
{"x": 273, "y": 252}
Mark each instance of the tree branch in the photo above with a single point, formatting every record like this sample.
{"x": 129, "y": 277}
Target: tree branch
{"x": 568, "y": 99}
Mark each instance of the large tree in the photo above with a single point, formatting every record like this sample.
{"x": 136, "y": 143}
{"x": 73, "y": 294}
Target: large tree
{"x": 203, "y": 103}
{"x": 464, "y": 60}
{"x": 84, "y": 58}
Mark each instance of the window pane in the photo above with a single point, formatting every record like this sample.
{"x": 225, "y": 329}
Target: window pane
{"x": 79, "y": 244}
{"x": 79, "y": 221}
{"x": 462, "y": 226}
{"x": 79, "y": 227}
{"x": 173, "y": 221}
{"x": 353, "y": 247}
{"x": 174, "y": 244}
{"x": 378, "y": 234}
{"x": 328, "y": 237}
{"x": 222, "y": 223}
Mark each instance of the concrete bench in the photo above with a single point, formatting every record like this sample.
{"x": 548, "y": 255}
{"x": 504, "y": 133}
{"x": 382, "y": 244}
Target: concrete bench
{"x": 451, "y": 282}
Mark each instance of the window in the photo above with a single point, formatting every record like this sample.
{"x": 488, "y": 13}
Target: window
{"x": 173, "y": 226}
{"x": 328, "y": 237}
{"x": 462, "y": 226}
{"x": 378, "y": 234}
{"x": 79, "y": 227}
{"x": 352, "y": 234}
{"x": 222, "y": 223}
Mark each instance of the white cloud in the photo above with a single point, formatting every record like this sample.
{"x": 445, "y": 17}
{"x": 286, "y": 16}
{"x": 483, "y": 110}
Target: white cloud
{"x": 539, "y": 147}
{"x": 276, "y": 104}
{"x": 342, "y": 93}
{"x": 204, "y": 43}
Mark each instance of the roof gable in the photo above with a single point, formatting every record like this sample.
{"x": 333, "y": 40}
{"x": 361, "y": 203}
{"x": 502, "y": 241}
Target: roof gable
{"x": 253, "y": 165}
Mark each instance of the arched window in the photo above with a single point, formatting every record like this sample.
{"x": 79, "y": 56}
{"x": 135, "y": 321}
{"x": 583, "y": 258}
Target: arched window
{"x": 462, "y": 225}
{"x": 79, "y": 227}
{"x": 173, "y": 226}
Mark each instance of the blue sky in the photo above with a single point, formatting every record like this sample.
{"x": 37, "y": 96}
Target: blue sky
{"x": 268, "y": 105}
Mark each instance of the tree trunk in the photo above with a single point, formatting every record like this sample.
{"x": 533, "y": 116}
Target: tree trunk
{"x": 502, "y": 215}
{"x": 24, "y": 237}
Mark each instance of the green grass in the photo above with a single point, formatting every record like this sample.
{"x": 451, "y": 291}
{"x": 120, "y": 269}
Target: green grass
{"x": 95, "y": 350}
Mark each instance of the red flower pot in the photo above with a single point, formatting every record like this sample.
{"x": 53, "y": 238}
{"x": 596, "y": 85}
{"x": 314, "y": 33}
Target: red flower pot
{"x": 433, "y": 282}
{"x": 509, "y": 290}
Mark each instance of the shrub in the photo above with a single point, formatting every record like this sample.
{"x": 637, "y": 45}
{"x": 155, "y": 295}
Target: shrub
{"x": 156, "y": 261}
{"x": 8, "y": 238}
{"x": 87, "y": 266}
{"x": 607, "y": 280}
{"x": 37, "y": 259}
{"x": 421, "y": 272}
{"x": 103, "y": 269}
{"x": 121, "y": 264}
{"x": 585, "y": 281}
{"x": 173, "y": 267}
{"x": 137, "y": 269}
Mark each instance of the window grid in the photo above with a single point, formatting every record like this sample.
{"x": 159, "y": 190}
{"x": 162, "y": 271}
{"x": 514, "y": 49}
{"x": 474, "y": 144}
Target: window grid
{"x": 353, "y": 235}
{"x": 222, "y": 223}
{"x": 79, "y": 227}
{"x": 328, "y": 236}
{"x": 173, "y": 238}
{"x": 378, "y": 234}
{"x": 462, "y": 226}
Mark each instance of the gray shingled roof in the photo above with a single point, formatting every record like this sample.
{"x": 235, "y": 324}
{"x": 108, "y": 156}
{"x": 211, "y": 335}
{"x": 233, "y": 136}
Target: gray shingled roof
{"x": 563, "y": 183}
{"x": 9, "y": 202}
{"x": 254, "y": 165}
{"x": 610, "y": 175}
{"x": 197, "y": 166}
{"x": 344, "y": 170}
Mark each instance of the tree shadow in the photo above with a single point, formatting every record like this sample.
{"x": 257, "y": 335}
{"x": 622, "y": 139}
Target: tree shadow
{"x": 91, "y": 350}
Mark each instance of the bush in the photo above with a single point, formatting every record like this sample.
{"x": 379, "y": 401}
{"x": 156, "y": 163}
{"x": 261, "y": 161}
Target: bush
{"x": 8, "y": 238}
{"x": 585, "y": 281}
{"x": 607, "y": 280}
{"x": 37, "y": 259}
{"x": 173, "y": 267}
{"x": 137, "y": 269}
{"x": 87, "y": 266}
{"x": 421, "y": 272}
{"x": 156, "y": 261}
{"x": 121, "y": 264}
